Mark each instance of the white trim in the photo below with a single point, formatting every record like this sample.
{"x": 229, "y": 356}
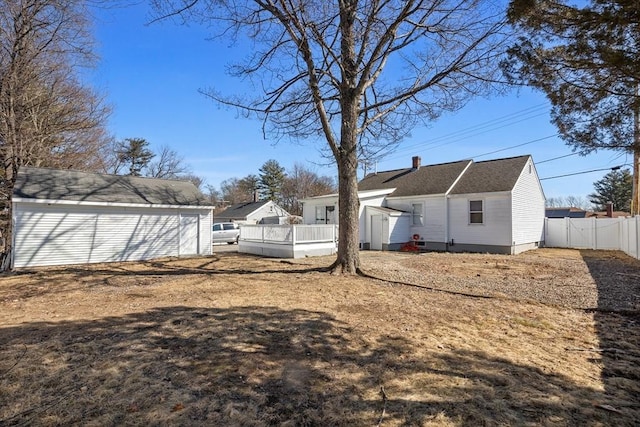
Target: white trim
{"x": 107, "y": 204}
{"x": 482, "y": 195}
{"x": 459, "y": 177}
{"x": 418, "y": 197}
{"x": 361, "y": 195}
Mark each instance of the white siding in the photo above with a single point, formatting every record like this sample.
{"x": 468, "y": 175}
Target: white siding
{"x": 399, "y": 229}
{"x": 528, "y": 207}
{"x": 64, "y": 234}
{"x": 309, "y": 209}
{"x": 433, "y": 217}
{"x": 365, "y": 223}
{"x": 496, "y": 229}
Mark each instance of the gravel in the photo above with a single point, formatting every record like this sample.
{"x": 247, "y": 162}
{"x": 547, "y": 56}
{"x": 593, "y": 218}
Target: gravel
{"x": 585, "y": 279}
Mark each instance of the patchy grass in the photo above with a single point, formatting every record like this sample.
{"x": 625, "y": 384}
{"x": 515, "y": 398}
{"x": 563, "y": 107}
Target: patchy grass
{"x": 240, "y": 340}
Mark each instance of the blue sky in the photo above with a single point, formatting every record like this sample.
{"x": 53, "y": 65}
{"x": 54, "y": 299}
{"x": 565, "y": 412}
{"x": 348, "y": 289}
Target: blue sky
{"x": 151, "y": 74}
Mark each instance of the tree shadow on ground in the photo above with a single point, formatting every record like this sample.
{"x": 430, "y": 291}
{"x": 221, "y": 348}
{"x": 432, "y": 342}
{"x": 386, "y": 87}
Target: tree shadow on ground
{"x": 618, "y": 327}
{"x": 266, "y": 366}
{"x": 59, "y": 280}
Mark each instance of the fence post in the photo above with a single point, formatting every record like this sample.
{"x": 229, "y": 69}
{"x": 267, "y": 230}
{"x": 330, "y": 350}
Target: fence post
{"x": 294, "y": 235}
{"x": 567, "y": 231}
{"x": 637, "y": 237}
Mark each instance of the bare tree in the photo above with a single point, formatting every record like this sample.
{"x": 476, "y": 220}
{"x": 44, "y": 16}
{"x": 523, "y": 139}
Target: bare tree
{"x": 301, "y": 183}
{"x": 236, "y": 190}
{"x": 568, "y": 202}
{"x": 47, "y": 117}
{"x": 357, "y": 73}
{"x": 168, "y": 164}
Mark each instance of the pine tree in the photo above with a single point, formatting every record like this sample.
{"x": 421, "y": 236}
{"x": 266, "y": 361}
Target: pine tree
{"x": 615, "y": 187}
{"x": 272, "y": 177}
{"x": 134, "y": 153}
{"x": 586, "y": 59}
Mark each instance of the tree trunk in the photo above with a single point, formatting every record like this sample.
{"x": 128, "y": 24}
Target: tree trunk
{"x": 348, "y": 260}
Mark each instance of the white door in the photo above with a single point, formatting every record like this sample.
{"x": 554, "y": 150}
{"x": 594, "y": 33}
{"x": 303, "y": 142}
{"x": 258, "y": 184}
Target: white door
{"x": 376, "y": 232}
{"x": 189, "y": 234}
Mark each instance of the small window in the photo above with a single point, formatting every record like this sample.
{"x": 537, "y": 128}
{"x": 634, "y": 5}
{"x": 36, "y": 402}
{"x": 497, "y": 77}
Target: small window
{"x": 229, "y": 226}
{"x": 217, "y": 227}
{"x": 416, "y": 210}
{"x": 476, "y": 215}
{"x": 321, "y": 215}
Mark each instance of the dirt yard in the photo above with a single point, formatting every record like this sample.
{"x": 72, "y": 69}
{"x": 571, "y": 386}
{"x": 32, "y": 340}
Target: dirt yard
{"x": 549, "y": 337}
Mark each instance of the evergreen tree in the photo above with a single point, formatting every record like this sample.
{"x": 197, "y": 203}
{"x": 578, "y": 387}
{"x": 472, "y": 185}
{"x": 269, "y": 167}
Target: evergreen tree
{"x": 272, "y": 177}
{"x": 586, "y": 59}
{"x": 615, "y": 187}
{"x": 134, "y": 153}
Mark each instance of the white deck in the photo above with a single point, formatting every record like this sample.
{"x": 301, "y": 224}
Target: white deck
{"x": 288, "y": 241}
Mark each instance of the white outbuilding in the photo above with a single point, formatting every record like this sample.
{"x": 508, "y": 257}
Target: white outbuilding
{"x": 70, "y": 217}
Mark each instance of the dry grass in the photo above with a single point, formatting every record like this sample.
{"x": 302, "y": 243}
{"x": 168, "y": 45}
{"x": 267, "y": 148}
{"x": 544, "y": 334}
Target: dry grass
{"x": 240, "y": 340}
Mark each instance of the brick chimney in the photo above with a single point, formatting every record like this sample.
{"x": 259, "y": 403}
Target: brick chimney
{"x": 609, "y": 209}
{"x": 416, "y": 162}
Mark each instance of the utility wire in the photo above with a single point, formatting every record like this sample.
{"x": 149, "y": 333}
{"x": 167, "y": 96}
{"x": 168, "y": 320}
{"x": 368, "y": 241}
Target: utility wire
{"x": 475, "y": 130}
{"x": 580, "y": 173}
{"x": 515, "y": 146}
{"x": 556, "y": 158}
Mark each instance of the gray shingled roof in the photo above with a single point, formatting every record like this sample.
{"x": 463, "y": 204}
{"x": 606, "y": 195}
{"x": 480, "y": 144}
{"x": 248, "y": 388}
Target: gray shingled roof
{"x": 429, "y": 179}
{"x": 239, "y": 211}
{"x": 480, "y": 177}
{"x": 52, "y": 184}
{"x": 491, "y": 176}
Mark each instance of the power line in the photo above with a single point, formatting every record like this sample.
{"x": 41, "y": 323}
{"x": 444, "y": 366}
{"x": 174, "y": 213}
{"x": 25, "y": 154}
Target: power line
{"x": 515, "y": 146}
{"x": 484, "y": 127}
{"x": 556, "y": 158}
{"x": 580, "y": 173}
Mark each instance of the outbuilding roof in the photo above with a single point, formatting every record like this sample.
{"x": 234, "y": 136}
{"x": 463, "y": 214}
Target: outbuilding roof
{"x": 69, "y": 185}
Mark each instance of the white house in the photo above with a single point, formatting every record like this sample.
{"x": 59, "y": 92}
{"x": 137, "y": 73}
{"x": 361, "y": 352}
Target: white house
{"x": 70, "y": 217}
{"x": 262, "y": 212}
{"x": 491, "y": 206}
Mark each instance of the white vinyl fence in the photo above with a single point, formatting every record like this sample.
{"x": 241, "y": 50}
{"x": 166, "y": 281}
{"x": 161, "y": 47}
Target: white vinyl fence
{"x": 594, "y": 233}
{"x": 288, "y": 241}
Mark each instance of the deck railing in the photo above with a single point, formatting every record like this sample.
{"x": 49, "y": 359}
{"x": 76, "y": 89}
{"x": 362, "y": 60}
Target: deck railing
{"x": 288, "y": 240}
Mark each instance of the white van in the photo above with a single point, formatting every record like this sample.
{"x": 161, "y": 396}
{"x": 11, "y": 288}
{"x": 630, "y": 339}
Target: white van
{"x": 226, "y": 232}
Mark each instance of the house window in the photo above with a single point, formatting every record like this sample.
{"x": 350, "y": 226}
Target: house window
{"x": 321, "y": 214}
{"x": 476, "y": 214}
{"x": 416, "y": 211}
{"x": 325, "y": 214}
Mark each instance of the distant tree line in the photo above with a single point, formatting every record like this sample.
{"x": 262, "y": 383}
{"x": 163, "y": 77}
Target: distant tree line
{"x": 615, "y": 187}
{"x": 273, "y": 182}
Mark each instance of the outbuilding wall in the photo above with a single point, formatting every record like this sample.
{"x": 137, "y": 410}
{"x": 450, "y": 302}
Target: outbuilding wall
{"x": 57, "y": 234}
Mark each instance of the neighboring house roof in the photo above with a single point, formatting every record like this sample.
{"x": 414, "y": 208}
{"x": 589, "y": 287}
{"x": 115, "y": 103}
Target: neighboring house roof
{"x": 69, "y": 185}
{"x": 565, "y": 213}
{"x": 491, "y": 176}
{"x": 241, "y": 211}
{"x": 603, "y": 214}
{"x": 424, "y": 180}
{"x": 462, "y": 177}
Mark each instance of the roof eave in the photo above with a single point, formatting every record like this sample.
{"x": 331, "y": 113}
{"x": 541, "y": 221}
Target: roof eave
{"x": 108, "y": 204}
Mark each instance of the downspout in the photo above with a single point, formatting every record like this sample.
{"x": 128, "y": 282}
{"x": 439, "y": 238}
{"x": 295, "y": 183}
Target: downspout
{"x": 446, "y": 222}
